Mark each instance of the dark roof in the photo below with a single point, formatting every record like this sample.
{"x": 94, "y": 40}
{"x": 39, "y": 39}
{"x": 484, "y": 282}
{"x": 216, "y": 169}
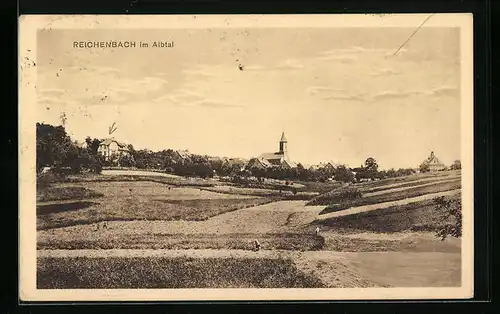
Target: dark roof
{"x": 283, "y": 137}
{"x": 271, "y": 156}
{"x": 432, "y": 159}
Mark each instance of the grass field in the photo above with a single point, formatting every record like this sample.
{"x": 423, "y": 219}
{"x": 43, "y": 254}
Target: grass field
{"x": 137, "y": 208}
{"x": 239, "y": 241}
{"x": 411, "y": 178}
{"x": 394, "y": 196}
{"x": 421, "y": 216}
{"x": 66, "y": 193}
{"x": 177, "y": 272}
{"x": 88, "y": 216}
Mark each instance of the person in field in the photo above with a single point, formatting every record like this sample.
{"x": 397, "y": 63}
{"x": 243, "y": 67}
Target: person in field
{"x": 257, "y": 245}
{"x": 317, "y": 230}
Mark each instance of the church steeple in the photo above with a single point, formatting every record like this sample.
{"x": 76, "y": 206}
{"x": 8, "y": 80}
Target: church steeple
{"x": 283, "y": 143}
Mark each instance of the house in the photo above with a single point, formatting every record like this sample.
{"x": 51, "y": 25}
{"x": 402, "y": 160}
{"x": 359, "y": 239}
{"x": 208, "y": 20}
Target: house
{"x": 329, "y": 166}
{"x": 279, "y": 158}
{"x": 433, "y": 163}
{"x": 181, "y": 155}
{"x": 235, "y": 163}
{"x": 111, "y": 149}
{"x": 259, "y": 163}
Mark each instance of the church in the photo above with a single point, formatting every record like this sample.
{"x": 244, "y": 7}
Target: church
{"x": 433, "y": 163}
{"x": 275, "y": 159}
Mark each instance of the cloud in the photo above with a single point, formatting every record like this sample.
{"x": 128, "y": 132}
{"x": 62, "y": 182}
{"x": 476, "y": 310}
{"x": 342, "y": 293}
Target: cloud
{"x": 212, "y": 104}
{"x": 254, "y": 67}
{"x": 179, "y": 96}
{"x": 285, "y": 65}
{"x": 185, "y": 98}
{"x": 50, "y": 92}
{"x": 197, "y": 72}
{"x": 330, "y": 93}
{"x": 55, "y": 101}
{"x": 353, "y": 97}
{"x": 340, "y": 58}
{"x": 445, "y": 91}
{"x": 94, "y": 85}
{"x": 394, "y": 95}
{"x": 289, "y": 64}
{"x": 313, "y": 90}
{"x": 384, "y": 72}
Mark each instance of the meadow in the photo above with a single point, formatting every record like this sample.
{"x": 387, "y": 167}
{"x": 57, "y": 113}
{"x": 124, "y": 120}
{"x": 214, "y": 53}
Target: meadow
{"x": 176, "y": 272}
{"x": 119, "y": 211}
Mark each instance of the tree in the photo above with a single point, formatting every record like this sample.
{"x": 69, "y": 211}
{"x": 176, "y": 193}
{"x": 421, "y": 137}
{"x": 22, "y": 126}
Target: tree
{"x": 93, "y": 145}
{"x": 371, "y": 165}
{"x": 450, "y": 210}
{"x": 457, "y": 165}
{"x": 424, "y": 167}
{"x": 126, "y": 161}
{"x": 54, "y": 147}
{"x": 344, "y": 174}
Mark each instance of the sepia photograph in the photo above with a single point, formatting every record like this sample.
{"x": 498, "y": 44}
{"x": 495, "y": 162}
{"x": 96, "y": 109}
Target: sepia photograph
{"x": 246, "y": 157}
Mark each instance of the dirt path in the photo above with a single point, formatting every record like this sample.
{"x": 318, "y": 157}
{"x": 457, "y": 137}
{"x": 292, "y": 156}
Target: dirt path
{"x": 367, "y": 208}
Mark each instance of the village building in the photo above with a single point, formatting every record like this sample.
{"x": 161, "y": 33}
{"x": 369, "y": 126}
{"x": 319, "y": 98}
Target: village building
{"x": 235, "y": 163}
{"x": 433, "y": 163}
{"x": 181, "y": 155}
{"x": 275, "y": 159}
{"x": 111, "y": 149}
{"x": 328, "y": 166}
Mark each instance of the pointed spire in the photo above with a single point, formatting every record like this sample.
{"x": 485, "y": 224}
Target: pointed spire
{"x": 283, "y": 138}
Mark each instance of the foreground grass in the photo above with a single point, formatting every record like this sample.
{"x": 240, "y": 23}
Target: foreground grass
{"x": 175, "y": 272}
{"x": 139, "y": 208}
{"x": 393, "y": 196}
{"x": 418, "y": 216}
{"x": 104, "y": 240}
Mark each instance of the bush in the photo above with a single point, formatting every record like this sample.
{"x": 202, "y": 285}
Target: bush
{"x": 126, "y": 161}
{"x": 451, "y": 217}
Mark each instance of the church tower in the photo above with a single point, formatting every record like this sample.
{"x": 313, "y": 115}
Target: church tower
{"x": 283, "y": 143}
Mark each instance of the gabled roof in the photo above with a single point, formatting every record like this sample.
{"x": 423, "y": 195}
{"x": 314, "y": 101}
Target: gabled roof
{"x": 271, "y": 156}
{"x": 108, "y": 141}
{"x": 236, "y": 161}
{"x": 261, "y": 161}
{"x": 432, "y": 159}
{"x": 290, "y": 163}
{"x": 183, "y": 153}
{"x": 283, "y": 137}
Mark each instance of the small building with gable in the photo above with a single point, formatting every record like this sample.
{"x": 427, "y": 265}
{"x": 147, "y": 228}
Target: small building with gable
{"x": 433, "y": 163}
{"x": 111, "y": 149}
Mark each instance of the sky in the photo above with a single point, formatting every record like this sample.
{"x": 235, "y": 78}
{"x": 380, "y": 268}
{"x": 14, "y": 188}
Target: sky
{"x": 339, "y": 94}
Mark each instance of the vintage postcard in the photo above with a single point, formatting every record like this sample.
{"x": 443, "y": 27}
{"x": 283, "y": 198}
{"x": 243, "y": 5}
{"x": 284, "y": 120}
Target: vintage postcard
{"x": 246, "y": 157}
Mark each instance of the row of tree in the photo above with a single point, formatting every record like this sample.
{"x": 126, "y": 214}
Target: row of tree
{"x": 56, "y": 149}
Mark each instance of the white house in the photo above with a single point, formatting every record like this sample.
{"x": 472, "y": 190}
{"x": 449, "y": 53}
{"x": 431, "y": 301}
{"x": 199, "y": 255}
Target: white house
{"x": 112, "y": 149}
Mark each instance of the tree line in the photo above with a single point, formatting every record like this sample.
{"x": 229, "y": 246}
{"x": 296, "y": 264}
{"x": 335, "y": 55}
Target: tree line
{"x": 56, "y": 149}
